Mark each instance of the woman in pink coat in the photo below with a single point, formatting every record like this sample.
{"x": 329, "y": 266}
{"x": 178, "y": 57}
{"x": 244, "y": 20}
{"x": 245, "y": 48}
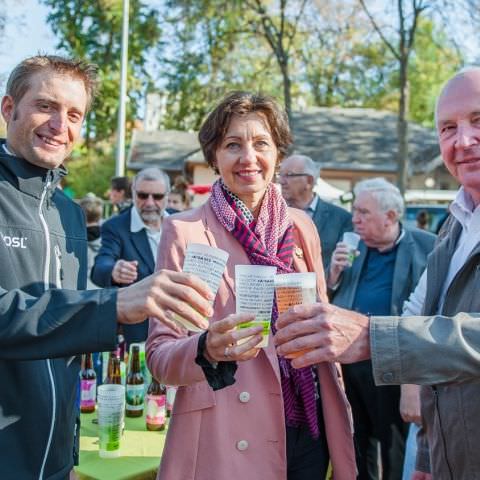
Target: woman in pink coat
{"x": 242, "y": 412}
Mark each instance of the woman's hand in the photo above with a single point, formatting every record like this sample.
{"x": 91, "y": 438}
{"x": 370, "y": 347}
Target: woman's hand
{"x": 222, "y": 339}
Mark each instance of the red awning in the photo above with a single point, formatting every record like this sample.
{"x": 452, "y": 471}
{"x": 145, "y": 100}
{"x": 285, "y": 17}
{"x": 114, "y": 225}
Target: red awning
{"x": 200, "y": 189}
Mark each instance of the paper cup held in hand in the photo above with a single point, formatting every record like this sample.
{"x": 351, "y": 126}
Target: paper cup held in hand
{"x": 111, "y": 408}
{"x": 351, "y": 239}
{"x": 295, "y": 289}
{"x": 254, "y": 290}
{"x": 207, "y": 263}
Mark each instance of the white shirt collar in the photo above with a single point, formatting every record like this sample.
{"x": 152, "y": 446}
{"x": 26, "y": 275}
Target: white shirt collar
{"x": 313, "y": 203}
{"x": 463, "y": 208}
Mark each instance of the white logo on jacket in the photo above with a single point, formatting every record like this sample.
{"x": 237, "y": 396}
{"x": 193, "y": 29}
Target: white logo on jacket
{"x": 14, "y": 242}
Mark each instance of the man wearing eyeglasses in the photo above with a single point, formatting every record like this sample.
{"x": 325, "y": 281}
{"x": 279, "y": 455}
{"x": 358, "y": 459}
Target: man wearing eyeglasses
{"x": 298, "y": 176}
{"x": 130, "y": 240}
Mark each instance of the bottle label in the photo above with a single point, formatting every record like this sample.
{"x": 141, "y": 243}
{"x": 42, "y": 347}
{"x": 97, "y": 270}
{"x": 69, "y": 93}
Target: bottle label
{"x": 134, "y": 397}
{"x": 88, "y": 393}
{"x": 171, "y": 392}
{"x": 156, "y": 412}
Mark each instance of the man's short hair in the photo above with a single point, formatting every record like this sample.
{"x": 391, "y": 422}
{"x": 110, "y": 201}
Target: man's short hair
{"x": 121, "y": 183}
{"x": 19, "y": 80}
{"x": 152, "y": 174}
{"x": 92, "y": 207}
{"x": 309, "y": 166}
{"x": 385, "y": 193}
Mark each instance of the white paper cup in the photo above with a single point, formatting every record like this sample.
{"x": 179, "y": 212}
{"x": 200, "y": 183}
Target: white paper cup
{"x": 111, "y": 408}
{"x": 207, "y": 263}
{"x": 254, "y": 290}
{"x": 351, "y": 239}
{"x": 295, "y": 289}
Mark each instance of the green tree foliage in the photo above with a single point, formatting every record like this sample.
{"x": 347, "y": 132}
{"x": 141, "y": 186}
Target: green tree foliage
{"x": 433, "y": 62}
{"x": 211, "y": 51}
{"x": 91, "y": 29}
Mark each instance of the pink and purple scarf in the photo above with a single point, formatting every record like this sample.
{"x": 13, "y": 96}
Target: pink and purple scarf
{"x": 269, "y": 241}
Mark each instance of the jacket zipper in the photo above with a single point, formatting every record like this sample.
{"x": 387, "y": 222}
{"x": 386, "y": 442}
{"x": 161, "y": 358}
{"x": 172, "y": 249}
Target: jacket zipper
{"x": 442, "y": 434}
{"x": 46, "y": 281}
{"x": 58, "y": 267}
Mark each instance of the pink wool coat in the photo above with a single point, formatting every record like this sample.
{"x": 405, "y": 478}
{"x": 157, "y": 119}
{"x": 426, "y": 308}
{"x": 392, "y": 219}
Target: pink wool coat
{"x": 237, "y": 432}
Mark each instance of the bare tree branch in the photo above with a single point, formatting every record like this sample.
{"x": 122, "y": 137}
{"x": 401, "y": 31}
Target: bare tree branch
{"x": 379, "y": 30}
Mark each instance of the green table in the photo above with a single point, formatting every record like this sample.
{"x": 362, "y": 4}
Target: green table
{"x": 140, "y": 452}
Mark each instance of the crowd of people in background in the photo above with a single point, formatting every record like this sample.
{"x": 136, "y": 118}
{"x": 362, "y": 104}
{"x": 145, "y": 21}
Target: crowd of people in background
{"x": 336, "y": 390}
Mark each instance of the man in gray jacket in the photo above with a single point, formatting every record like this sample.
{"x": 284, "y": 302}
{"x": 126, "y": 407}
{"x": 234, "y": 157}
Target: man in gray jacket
{"x": 390, "y": 260}
{"x": 46, "y": 320}
{"x": 441, "y": 348}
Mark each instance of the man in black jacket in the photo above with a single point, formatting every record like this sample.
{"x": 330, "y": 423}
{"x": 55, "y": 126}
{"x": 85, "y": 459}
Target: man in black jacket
{"x": 46, "y": 320}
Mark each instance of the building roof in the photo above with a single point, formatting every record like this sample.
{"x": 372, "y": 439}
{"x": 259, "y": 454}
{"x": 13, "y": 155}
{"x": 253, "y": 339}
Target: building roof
{"x": 358, "y": 139}
{"x": 167, "y": 149}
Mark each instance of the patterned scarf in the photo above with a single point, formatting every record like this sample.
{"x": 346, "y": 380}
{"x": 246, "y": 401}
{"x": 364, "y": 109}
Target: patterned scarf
{"x": 269, "y": 241}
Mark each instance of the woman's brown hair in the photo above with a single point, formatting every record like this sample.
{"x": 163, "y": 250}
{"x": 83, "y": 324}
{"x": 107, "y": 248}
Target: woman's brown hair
{"x": 216, "y": 124}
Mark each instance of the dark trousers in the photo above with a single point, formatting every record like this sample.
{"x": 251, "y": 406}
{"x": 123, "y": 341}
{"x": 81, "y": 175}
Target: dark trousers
{"x": 307, "y": 458}
{"x": 376, "y": 419}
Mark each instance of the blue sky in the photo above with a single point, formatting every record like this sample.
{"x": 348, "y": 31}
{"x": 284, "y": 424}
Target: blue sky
{"x": 26, "y": 35}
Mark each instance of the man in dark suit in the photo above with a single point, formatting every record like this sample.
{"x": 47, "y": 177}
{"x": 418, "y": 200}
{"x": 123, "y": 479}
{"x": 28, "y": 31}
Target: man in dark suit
{"x": 298, "y": 176}
{"x": 130, "y": 240}
{"x": 390, "y": 261}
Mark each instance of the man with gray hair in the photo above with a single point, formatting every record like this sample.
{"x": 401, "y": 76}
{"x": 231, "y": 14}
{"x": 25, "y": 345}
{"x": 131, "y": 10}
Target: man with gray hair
{"x": 130, "y": 240}
{"x": 298, "y": 175}
{"x": 390, "y": 260}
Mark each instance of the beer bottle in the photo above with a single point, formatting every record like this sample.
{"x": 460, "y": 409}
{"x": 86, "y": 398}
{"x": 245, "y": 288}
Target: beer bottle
{"x": 171, "y": 393}
{"x": 88, "y": 385}
{"x": 113, "y": 372}
{"x": 155, "y": 404}
{"x": 135, "y": 388}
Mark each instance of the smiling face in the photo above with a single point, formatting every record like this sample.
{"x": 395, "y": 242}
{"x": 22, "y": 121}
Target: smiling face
{"x": 458, "y": 125}
{"x": 43, "y": 126}
{"x": 150, "y": 199}
{"x": 246, "y": 158}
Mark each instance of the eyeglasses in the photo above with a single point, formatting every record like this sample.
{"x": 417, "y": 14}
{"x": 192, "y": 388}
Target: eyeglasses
{"x": 156, "y": 196}
{"x": 293, "y": 175}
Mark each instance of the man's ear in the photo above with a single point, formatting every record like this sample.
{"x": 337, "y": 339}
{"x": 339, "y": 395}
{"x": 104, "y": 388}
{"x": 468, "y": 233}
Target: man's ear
{"x": 8, "y": 107}
{"x": 392, "y": 216}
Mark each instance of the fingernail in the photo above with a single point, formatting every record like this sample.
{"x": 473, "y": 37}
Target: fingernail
{"x": 211, "y": 296}
{"x": 209, "y": 312}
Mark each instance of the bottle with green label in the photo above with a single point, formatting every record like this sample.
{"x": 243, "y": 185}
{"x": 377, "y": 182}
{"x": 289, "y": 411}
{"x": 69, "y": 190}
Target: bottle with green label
{"x": 135, "y": 387}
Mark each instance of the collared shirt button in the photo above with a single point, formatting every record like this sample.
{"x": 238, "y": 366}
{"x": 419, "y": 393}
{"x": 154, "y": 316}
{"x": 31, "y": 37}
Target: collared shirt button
{"x": 244, "y": 397}
{"x": 387, "y": 377}
{"x": 242, "y": 445}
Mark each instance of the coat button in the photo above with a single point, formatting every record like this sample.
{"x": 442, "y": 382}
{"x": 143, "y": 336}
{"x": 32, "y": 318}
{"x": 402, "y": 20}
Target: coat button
{"x": 244, "y": 397}
{"x": 242, "y": 445}
{"x": 387, "y": 377}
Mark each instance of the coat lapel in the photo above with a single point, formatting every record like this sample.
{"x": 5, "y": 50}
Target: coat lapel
{"x": 403, "y": 261}
{"x": 437, "y": 267}
{"x": 355, "y": 271}
{"x": 140, "y": 242}
{"x": 320, "y": 215}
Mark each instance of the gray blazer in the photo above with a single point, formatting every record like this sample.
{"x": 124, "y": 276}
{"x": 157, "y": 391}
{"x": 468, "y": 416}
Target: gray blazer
{"x": 410, "y": 262}
{"x": 442, "y": 351}
{"x": 331, "y": 221}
